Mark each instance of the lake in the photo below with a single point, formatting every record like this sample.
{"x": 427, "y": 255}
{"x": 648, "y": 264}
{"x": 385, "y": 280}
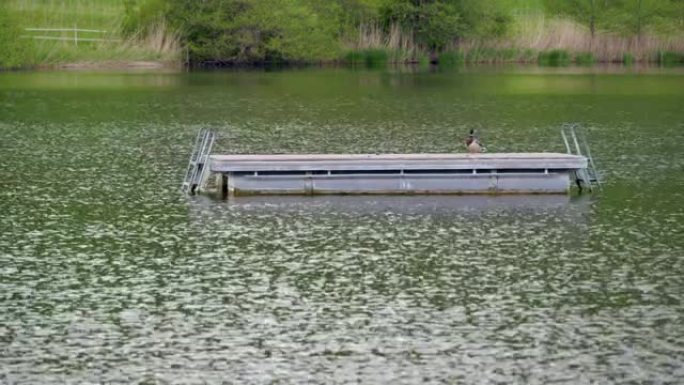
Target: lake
{"x": 108, "y": 274}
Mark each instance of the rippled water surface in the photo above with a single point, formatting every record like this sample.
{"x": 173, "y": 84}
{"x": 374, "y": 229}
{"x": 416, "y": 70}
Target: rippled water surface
{"x": 109, "y": 275}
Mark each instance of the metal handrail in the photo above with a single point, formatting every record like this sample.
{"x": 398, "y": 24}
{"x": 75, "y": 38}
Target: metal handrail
{"x": 197, "y": 165}
{"x": 589, "y": 175}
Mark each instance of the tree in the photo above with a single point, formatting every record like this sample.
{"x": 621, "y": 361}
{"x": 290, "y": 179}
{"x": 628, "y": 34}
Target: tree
{"x": 435, "y": 23}
{"x": 256, "y": 30}
{"x": 592, "y": 13}
{"x": 484, "y": 18}
{"x": 636, "y": 16}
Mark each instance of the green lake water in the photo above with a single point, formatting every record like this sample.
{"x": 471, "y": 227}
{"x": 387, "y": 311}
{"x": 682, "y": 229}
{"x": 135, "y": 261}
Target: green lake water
{"x": 109, "y": 275}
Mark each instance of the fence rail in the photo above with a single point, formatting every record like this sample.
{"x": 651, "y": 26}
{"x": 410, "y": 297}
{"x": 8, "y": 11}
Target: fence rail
{"x": 75, "y": 38}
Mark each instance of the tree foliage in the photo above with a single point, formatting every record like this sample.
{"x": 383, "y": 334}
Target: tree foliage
{"x": 628, "y": 17}
{"x": 251, "y": 30}
{"x": 435, "y": 23}
{"x": 596, "y": 14}
{"x": 636, "y": 16}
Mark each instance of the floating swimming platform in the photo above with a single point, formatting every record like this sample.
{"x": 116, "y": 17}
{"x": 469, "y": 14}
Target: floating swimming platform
{"x": 327, "y": 174}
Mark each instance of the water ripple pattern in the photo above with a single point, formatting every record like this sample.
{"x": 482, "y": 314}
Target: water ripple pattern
{"x": 109, "y": 275}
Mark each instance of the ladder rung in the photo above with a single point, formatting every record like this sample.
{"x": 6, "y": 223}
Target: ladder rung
{"x": 576, "y": 144}
{"x": 198, "y": 159}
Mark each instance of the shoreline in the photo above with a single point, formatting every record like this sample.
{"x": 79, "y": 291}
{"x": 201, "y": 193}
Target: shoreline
{"x": 111, "y": 65}
{"x": 177, "y": 66}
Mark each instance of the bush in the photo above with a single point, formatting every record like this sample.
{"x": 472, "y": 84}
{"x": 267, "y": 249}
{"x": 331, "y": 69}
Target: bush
{"x": 354, "y": 57}
{"x": 670, "y": 58}
{"x": 247, "y": 31}
{"x": 628, "y": 59}
{"x": 433, "y": 24}
{"x": 585, "y": 58}
{"x": 375, "y": 57}
{"x": 371, "y": 58}
{"x": 556, "y": 57}
{"x": 436, "y": 23}
{"x": 422, "y": 59}
{"x": 451, "y": 59}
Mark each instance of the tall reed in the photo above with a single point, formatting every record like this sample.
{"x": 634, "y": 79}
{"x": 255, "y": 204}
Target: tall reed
{"x": 531, "y": 34}
{"x": 399, "y": 44}
{"x": 541, "y": 33}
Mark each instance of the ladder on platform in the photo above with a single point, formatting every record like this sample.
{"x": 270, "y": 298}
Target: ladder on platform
{"x": 197, "y": 166}
{"x": 576, "y": 144}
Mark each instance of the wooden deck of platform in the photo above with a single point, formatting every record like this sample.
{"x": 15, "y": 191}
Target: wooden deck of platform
{"x": 375, "y": 162}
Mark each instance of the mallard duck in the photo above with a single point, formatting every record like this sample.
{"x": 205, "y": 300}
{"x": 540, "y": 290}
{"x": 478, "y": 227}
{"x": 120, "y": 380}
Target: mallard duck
{"x": 473, "y": 143}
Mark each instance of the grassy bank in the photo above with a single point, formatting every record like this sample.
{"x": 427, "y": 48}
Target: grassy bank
{"x": 363, "y": 32}
{"x": 41, "y": 48}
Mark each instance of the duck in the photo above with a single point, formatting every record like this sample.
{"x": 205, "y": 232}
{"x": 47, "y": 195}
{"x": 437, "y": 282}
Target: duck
{"x": 472, "y": 143}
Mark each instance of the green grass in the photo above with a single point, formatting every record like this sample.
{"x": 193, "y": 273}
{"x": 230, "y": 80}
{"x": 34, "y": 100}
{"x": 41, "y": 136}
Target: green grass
{"x": 88, "y": 14}
{"x": 104, "y": 15}
{"x": 14, "y": 51}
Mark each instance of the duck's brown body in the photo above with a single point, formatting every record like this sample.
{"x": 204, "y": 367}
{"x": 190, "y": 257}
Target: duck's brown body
{"x": 474, "y": 147}
{"x": 473, "y": 143}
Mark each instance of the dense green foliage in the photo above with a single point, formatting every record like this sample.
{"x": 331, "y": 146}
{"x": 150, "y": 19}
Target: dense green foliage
{"x": 435, "y": 23}
{"x": 671, "y": 58}
{"x": 584, "y": 58}
{"x": 256, "y": 30}
{"x": 306, "y": 30}
{"x": 368, "y": 57}
{"x": 556, "y": 57}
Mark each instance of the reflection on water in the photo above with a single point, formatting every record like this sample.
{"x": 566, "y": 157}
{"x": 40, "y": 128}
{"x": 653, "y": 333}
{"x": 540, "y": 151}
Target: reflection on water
{"x": 109, "y": 275}
{"x": 404, "y": 204}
